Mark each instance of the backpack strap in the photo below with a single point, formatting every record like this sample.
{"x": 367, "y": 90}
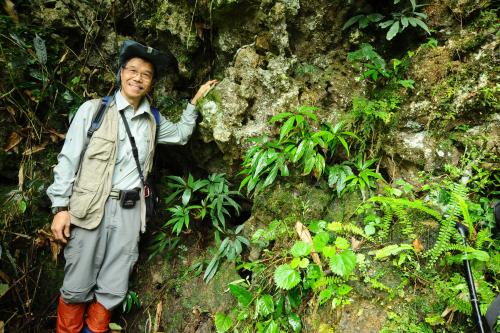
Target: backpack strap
{"x": 156, "y": 114}
{"x": 98, "y": 117}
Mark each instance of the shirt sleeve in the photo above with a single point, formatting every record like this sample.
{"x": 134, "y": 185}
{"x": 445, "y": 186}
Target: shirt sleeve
{"x": 178, "y": 133}
{"x": 68, "y": 159}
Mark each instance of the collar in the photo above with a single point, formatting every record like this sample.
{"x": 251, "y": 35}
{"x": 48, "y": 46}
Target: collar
{"x": 122, "y": 104}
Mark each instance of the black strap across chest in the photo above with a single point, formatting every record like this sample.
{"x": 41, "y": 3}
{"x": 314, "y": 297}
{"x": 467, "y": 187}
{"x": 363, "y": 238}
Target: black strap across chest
{"x": 135, "y": 152}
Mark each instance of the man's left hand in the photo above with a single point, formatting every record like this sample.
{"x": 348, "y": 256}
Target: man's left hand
{"x": 203, "y": 91}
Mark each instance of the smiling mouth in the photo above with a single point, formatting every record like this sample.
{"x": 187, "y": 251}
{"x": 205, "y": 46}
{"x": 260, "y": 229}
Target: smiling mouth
{"x": 134, "y": 86}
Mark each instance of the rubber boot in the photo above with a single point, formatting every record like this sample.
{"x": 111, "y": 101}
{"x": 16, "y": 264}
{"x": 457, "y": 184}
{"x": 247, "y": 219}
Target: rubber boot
{"x": 98, "y": 318}
{"x": 69, "y": 317}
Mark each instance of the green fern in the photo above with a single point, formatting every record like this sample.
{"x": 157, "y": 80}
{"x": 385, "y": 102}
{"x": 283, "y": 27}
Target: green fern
{"x": 416, "y": 204}
{"x": 400, "y": 207}
{"x": 483, "y": 237}
{"x": 458, "y": 248}
{"x": 404, "y": 220}
{"x": 376, "y": 284}
{"x": 326, "y": 281}
{"x": 348, "y": 228}
{"x": 455, "y": 293}
{"x": 333, "y": 280}
{"x": 447, "y": 229}
{"x": 386, "y": 221}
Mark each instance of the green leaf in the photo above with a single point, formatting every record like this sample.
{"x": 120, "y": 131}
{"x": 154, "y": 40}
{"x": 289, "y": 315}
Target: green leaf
{"x": 393, "y": 31}
{"x": 286, "y": 128}
{"x": 242, "y": 315}
{"x": 22, "y": 206}
{"x": 370, "y": 229}
{"x": 285, "y": 277}
{"x": 273, "y": 327}
{"x": 343, "y": 289}
{"x": 413, "y": 4}
{"x": 241, "y": 294}
{"x": 329, "y": 251}
{"x": 222, "y": 322}
{"x": 344, "y": 144}
{"x": 317, "y": 226}
{"x": 422, "y": 15}
{"x": 264, "y": 305}
{"x": 375, "y": 17}
{"x": 313, "y": 272}
{"x": 300, "y": 151}
{"x": 244, "y": 240}
{"x": 284, "y": 170}
{"x": 309, "y": 164}
{"x": 420, "y": 24}
{"x": 295, "y": 263}
{"x": 115, "y": 327}
{"x": 3, "y": 289}
{"x": 279, "y": 306}
{"x": 319, "y": 165}
{"x": 325, "y": 295}
{"x": 280, "y": 116}
{"x": 171, "y": 197}
{"x": 295, "y": 322}
{"x": 404, "y": 22}
{"x": 294, "y": 298}
{"x": 343, "y": 264}
{"x": 271, "y": 176}
{"x": 306, "y": 110}
{"x": 320, "y": 240}
{"x": 406, "y": 83}
{"x": 304, "y": 263}
{"x": 212, "y": 268}
{"x": 477, "y": 254}
{"x": 412, "y": 21}
{"x": 342, "y": 243}
{"x": 390, "y": 250}
{"x": 186, "y": 196}
{"x": 300, "y": 249}
{"x": 363, "y": 22}
{"x": 464, "y": 209}
{"x": 385, "y": 24}
{"x": 351, "y": 21}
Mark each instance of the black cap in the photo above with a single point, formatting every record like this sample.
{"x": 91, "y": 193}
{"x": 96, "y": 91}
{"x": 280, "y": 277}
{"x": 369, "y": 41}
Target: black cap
{"x": 161, "y": 61}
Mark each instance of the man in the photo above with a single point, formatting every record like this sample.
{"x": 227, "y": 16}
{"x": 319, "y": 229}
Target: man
{"x": 90, "y": 177}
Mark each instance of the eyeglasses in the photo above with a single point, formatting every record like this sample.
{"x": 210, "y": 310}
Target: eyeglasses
{"x": 146, "y": 76}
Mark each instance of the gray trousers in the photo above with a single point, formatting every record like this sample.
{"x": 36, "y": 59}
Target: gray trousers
{"x": 99, "y": 261}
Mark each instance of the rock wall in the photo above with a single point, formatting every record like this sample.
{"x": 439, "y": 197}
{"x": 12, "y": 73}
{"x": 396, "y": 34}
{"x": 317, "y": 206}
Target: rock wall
{"x": 271, "y": 57}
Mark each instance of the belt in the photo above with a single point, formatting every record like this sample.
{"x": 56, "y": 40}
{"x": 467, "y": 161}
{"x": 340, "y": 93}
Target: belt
{"x": 114, "y": 194}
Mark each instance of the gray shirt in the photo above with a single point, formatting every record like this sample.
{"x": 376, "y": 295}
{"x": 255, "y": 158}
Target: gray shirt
{"x": 125, "y": 174}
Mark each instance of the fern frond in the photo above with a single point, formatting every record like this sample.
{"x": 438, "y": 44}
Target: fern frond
{"x": 400, "y": 207}
{"x": 376, "y": 284}
{"x": 386, "y": 221}
{"x": 458, "y": 248}
{"x": 416, "y": 204}
{"x": 455, "y": 208}
{"x": 443, "y": 241}
{"x": 327, "y": 281}
{"x": 348, "y": 228}
{"x": 404, "y": 220}
{"x": 482, "y": 237}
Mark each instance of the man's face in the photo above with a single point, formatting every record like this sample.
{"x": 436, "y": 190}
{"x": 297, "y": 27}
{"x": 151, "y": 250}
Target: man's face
{"x": 136, "y": 78}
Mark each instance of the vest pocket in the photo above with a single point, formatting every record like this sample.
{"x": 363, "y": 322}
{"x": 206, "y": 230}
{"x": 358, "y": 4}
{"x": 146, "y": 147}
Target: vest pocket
{"x": 95, "y": 162}
{"x": 79, "y": 202}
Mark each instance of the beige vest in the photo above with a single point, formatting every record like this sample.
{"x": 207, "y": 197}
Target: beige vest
{"x": 92, "y": 185}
